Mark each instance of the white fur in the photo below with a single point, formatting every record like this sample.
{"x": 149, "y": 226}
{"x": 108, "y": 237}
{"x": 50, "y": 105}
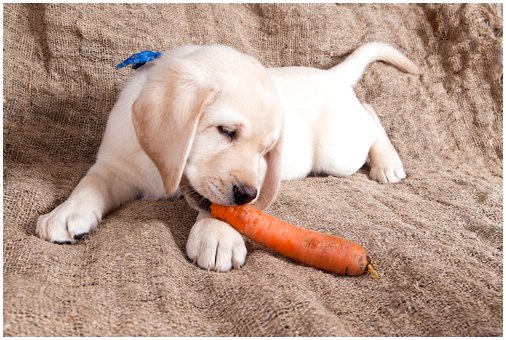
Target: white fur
{"x": 308, "y": 119}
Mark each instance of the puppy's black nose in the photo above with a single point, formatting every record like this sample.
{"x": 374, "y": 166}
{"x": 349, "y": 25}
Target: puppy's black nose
{"x": 244, "y": 194}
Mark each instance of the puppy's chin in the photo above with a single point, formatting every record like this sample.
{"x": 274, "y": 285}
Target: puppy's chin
{"x": 193, "y": 197}
{"x": 196, "y": 200}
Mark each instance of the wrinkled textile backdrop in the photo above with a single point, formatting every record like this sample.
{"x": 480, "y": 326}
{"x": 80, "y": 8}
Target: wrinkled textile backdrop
{"x": 436, "y": 237}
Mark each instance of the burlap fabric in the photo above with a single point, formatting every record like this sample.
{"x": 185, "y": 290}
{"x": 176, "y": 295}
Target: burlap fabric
{"x": 436, "y": 237}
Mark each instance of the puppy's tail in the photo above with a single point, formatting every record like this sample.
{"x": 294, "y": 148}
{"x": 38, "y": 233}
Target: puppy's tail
{"x": 352, "y": 68}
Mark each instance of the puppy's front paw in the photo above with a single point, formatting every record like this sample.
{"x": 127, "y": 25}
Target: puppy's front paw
{"x": 214, "y": 245}
{"x": 67, "y": 223}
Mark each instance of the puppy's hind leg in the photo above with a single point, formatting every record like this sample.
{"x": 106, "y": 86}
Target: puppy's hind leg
{"x": 385, "y": 163}
{"x": 97, "y": 193}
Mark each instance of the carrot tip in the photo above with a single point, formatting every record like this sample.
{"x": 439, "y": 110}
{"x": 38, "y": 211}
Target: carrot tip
{"x": 371, "y": 269}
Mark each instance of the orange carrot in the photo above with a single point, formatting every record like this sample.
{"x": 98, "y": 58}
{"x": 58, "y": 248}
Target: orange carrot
{"x": 319, "y": 250}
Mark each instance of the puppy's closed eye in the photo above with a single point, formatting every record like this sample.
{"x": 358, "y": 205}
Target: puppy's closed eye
{"x": 230, "y": 133}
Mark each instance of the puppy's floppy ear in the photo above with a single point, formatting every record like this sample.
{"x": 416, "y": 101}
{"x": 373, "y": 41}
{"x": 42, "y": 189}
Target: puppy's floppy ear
{"x": 272, "y": 178}
{"x": 166, "y": 114}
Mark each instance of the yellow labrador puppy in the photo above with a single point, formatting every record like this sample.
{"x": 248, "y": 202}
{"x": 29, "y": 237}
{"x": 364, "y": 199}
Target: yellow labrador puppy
{"x": 215, "y": 125}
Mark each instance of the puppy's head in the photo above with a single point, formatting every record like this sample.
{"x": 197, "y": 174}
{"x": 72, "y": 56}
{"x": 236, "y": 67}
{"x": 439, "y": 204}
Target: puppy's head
{"x": 211, "y": 122}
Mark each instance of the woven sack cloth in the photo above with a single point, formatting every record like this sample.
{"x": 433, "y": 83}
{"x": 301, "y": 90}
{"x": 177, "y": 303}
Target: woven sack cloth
{"x": 436, "y": 237}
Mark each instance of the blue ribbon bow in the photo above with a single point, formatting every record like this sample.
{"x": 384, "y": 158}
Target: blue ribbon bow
{"x": 139, "y": 59}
